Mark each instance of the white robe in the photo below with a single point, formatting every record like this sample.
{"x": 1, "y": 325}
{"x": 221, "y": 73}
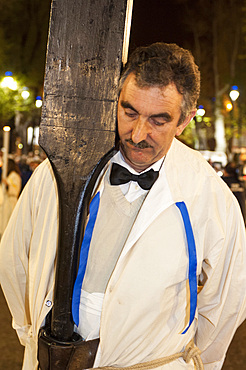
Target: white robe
{"x": 10, "y": 197}
{"x": 145, "y": 304}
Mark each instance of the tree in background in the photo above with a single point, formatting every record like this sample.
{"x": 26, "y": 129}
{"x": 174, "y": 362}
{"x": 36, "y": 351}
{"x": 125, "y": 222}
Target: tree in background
{"x": 23, "y": 40}
{"x": 217, "y": 43}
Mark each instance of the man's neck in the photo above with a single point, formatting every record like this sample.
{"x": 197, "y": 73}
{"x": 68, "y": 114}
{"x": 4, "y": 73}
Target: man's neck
{"x": 156, "y": 166}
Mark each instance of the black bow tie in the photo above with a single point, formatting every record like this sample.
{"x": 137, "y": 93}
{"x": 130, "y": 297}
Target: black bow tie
{"x": 120, "y": 175}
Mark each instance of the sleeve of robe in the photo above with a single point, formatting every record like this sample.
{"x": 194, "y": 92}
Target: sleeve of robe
{"x": 222, "y": 302}
{"x": 27, "y": 254}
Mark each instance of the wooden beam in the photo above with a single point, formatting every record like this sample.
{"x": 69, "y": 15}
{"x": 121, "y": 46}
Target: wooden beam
{"x": 84, "y": 60}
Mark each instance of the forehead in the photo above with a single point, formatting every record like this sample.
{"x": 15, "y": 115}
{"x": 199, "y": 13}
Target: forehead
{"x": 166, "y": 97}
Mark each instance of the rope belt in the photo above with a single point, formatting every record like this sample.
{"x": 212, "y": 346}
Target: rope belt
{"x": 190, "y": 352}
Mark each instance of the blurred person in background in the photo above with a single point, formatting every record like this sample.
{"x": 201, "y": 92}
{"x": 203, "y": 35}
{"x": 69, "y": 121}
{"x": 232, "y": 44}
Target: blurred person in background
{"x": 230, "y": 176}
{"x": 25, "y": 171}
{"x": 12, "y": 188}
{"x": 27, "y": 165}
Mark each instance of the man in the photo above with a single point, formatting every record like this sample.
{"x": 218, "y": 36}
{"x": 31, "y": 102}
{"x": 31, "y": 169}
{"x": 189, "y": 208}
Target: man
{"x": 153, "y": 246}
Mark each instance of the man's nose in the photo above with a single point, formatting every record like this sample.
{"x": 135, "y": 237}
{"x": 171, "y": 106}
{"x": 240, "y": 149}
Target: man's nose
{"x": 140, "y": 131}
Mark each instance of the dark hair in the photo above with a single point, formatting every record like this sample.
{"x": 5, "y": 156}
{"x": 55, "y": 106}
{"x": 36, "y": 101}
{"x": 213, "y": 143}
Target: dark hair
{"x": 12, "y": 166}
{"x": 232, "y": 169}
{"x": 159, "y": 65}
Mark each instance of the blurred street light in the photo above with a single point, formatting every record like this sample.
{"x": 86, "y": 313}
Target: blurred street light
{"x": 25, "y": 93}
{"x": 6, "y": 128}
{"x": 200, "y": 128}
{"x": 229, "y": 106}
{"x": 8, "y": 81}
{"x": 38, "y": 102}
{"x": 18, "y": 103}
{"x": 234, "y": 93}
{"x": 200, "y": 111}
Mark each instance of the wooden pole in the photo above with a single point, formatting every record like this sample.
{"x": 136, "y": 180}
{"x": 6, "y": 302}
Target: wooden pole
{"x": 84, "y": 59}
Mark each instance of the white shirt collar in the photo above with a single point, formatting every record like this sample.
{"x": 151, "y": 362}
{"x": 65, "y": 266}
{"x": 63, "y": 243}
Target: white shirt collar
{"x": 132, "y": 190}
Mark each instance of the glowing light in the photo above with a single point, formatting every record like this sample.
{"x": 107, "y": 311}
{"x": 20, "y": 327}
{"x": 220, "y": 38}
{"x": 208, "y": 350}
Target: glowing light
{"x": 6, "y": 128}
{"x": 25, "y": 93}
{"x": 29, "y": 135}
{"x": 234, "y": 93}
{"x": 20, "y": 146}
{"x": 38, "y": 102}
{"x": 200, "y": 111}
{"x": 32, "y": 135}
{"x": 9, "y": 82}
{"x": 35, "y": 135}
{"x": 229, "y": 106}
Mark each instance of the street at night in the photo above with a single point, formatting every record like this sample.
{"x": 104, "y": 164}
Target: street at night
{"x": 142, "y": 249}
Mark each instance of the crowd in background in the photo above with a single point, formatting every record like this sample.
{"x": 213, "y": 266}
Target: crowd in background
{"x": 234, "y": 177}
{"x": 19, "y": 170}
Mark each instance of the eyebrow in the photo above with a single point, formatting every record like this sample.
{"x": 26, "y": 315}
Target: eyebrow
{"x": 126, "y": 104}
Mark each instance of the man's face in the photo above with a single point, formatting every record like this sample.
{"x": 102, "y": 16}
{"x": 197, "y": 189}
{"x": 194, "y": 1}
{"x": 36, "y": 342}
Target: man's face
{"x": 147, "y": 122}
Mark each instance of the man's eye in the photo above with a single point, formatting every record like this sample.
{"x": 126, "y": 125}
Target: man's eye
{"x": 157, "y": 123}
{"x": 130, "y": 114}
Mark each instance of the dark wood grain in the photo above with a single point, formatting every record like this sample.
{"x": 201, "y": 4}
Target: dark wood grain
{"x": 78, "y": 120}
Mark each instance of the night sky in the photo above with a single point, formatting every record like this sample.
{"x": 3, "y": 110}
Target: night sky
{"x": 156, "y": 20}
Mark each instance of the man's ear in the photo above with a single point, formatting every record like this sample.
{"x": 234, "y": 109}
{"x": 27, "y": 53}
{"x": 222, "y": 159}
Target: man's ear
{"x": 182, "y": 126}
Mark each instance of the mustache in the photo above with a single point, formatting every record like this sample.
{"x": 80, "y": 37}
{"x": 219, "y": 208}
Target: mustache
{"x": 141, "y": 145}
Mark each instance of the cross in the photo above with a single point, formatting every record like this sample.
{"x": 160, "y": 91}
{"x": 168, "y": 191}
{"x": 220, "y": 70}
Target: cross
{"x": 87, "y": 44}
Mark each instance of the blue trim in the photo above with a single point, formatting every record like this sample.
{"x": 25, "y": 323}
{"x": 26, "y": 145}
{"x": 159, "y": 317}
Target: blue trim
{"x": 192, "y": 261}
{"x": 94, "y": 206}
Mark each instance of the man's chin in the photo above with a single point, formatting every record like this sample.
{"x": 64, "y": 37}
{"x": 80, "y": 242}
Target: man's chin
{"x": 136, "y": 159}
